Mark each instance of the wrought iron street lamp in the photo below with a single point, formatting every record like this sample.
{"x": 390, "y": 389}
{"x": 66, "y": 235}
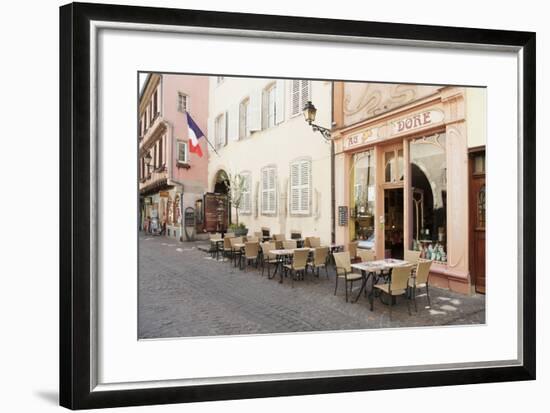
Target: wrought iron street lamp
{"x": 148, "y": 158}
{"x": 310, "y": 111}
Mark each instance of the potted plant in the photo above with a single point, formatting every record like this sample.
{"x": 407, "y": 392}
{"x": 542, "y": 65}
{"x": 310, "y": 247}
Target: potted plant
{"x": 237, "y": 187}
{"x": 239, "y": 230}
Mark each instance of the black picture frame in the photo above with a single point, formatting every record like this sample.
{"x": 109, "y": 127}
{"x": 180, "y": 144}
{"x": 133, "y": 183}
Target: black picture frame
{"x": 75, "y": 196}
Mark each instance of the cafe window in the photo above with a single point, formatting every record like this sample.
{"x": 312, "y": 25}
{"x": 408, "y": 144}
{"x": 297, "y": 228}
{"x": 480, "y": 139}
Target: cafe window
{"x": 429, "y": 196}
{"x": 363, "y": 200}
{"x": 393, "y": 169}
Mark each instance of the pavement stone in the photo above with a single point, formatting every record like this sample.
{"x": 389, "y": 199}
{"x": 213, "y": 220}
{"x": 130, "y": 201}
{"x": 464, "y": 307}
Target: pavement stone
{"x": 185, "y": 293}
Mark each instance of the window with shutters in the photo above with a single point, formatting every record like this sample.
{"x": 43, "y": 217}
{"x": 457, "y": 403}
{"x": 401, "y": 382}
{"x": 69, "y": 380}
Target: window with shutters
{"x": 244, "y": 118}
{"x": 300, "y": 94}
{"x": 269, "y": 106}
{"x": 246, "y": 202}
{"x": 183, "y": 102}
{"x": 220, "y": 131}
{"x": 300, "y": 187}
{"x": 269, "y": 190}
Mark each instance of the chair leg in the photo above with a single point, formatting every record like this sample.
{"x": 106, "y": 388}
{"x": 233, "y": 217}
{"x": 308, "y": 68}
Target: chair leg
{"x": 428, "y": 295}
{"x": 408, "y": 305}
{"x": 346, "y": 291}
{"x": 336, "y": 286}
{"x": 414, "y": 298}
{"x": 391, "y": 305}
{"x": 326, "y": 270}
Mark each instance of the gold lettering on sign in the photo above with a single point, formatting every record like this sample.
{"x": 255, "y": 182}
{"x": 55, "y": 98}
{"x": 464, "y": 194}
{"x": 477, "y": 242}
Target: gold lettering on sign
{"x": 418, "y": 120}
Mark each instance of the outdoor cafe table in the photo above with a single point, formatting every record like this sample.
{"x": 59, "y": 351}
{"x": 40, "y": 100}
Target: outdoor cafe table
{"x": 281, "y": 254}
{"x": 371, "y": 268}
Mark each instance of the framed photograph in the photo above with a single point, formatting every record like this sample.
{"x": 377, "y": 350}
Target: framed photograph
{"x": 258, "y": 206}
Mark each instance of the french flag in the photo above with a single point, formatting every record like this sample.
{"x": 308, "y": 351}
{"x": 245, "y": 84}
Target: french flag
{"x": 194, "y": 134}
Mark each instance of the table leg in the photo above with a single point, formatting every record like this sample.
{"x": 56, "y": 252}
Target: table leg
{"x": 363, "y": 285}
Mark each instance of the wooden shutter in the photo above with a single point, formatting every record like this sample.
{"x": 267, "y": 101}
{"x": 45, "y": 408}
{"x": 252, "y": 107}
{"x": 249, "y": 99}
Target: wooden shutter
{"x": 247, "y": 193}
{"x": 264, "y": 190}
{"x": 242, "y": 119}
{"x": 255, "y": 119}
{"x": 305, "y": 186}
{"x": 306, "y": 84}
{"x": 225, "y": 127}
{"x": 294, "y": 187}
{"x": 295, "y": 97}
{"x": 272, "y": 191}
{"x": 265, "y": 108}
{"x": 279, "y": 101}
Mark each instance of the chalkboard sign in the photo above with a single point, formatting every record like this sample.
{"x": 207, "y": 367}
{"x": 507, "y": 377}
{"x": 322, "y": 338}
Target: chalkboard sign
{"x": 189, "y": 217}
{"x": 342, "y": 216}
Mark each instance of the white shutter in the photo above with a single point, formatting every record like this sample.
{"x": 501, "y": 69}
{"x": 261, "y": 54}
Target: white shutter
{"x": 255, "y": 104}
{"x": 247, "y": 197}
{"x": 280, "y": 101}
{"x": 225, "y": 127}
{"x": 242, "y": 119}
{"x": 294, "y": 187}
{"x": 295, "y": 97}
{"x": 256, "y": 194}
{"x": 272, "y": 191}
{"x": 233, "y": 122}
{"x": 305, "y": 185}
{"x": 306, "y": 85}
{"x": 264, "y": 190}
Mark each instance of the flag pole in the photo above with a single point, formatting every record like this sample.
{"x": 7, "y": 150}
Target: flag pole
{"x": 214, "y": 149}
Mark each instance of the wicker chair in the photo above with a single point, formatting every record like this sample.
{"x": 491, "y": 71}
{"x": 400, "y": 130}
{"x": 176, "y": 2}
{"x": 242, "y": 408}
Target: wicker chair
{"x": 342, "y": 261}
{"x": 279, "y": 238}
{"x": 365, "y": 255}
{"x": 251, "y": 250}
{"x": 299, "y": 262}
{"x": 420, "y": 279}
{"x": 268, "y": 258}
{"x": 352, "y": 248}
{"x": 227, "y": 250}
{"x": 319, "y": 260}
{"x": 290, "y": 244}
{"x": 235, "y": 251}
{"x": 314, "y": 242}
{"x": 397, "y": 285}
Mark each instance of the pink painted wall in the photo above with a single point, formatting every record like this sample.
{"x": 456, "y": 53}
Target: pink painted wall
{"x": 196, "y": 88}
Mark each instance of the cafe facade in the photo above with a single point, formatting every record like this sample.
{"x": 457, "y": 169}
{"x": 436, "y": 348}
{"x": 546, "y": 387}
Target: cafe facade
{"x": 409, "y": 173}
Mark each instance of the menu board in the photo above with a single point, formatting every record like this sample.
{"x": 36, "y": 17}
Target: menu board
{"x": 342, "y": 216}
{"x": 211, "y": 204}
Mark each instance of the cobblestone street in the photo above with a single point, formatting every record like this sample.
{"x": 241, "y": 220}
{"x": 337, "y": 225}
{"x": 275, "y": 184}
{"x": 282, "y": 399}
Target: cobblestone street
{"x": 184, "y": 293}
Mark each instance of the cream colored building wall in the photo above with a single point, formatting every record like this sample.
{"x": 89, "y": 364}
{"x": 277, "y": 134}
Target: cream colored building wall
{"x": 476, "y": 116}
{"x": 279, "y": 146}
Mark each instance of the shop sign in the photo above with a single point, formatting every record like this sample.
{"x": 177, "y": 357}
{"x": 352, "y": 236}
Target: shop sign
{"x": 361, "y": 138}
{"x": 164, "y": 194}
{"x": 416, "y": 121}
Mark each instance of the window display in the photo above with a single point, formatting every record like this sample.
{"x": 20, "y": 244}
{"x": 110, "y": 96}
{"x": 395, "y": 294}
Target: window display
{"x": 362, "y": 201}
{"x": 429, "y": 196}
